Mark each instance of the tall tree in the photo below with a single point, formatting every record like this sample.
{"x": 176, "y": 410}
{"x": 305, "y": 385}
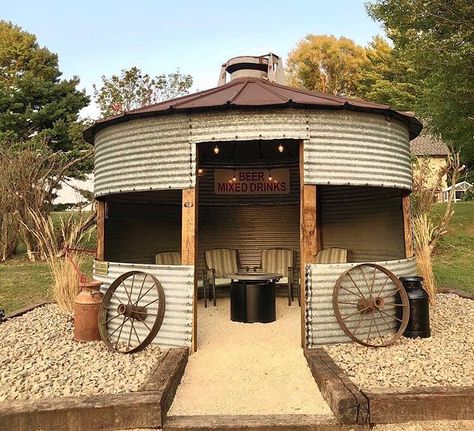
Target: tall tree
{"x": 134, "y": 89}
{"x": 388, "y": 78}
{"x": 35, "y": 103}
{"x": 327, "y": 64}
{"x": 437, "y": 37}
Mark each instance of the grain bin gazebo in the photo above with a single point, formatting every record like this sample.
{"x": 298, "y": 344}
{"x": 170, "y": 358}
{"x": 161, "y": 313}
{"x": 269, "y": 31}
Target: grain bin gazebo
{"x": 165, "y": 180}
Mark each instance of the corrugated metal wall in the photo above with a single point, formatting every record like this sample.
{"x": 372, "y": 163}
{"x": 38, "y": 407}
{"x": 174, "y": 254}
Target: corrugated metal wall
{"x": 178, "y": 285}
{"x": 248, "y": 125}
{"x": 365, "y": 220}
{"x": 135, "y": 232}
{"x": 341, "y": 147}
{"x": 144, "y": 154}
{"x": 321, "y": 323}
{"x": 357, "y": 149}
{"x": 248, "y": 229}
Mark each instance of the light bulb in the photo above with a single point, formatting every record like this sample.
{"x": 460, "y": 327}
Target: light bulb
{"x": 200, "y": 171}
{"x": 216, "y": 149}
{"x": 234, "y": 179}
{"x": 270, "y": 178}
{"x": 281, "y": 148}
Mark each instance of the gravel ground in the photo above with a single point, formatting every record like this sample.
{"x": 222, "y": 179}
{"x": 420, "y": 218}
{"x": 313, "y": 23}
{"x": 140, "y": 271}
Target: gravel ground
{"x": 248, "y": 368}
{"x": 444, "y": 359}
{"x": 39, "y": 359}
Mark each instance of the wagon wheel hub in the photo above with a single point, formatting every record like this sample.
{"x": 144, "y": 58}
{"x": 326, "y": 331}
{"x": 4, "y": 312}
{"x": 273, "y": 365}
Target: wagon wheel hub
{"x": 370, "y": 305}
{"x": 132, "y": 311}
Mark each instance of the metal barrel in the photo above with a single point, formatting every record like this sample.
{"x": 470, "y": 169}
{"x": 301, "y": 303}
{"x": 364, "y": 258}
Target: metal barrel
{"x": 419, "y": 323}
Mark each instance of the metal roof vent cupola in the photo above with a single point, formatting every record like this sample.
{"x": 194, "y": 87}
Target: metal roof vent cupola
{"x": 268, "y": 66}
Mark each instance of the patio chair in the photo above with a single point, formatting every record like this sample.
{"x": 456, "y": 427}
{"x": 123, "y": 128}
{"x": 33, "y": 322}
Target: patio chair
{"x": 332, "y": 255}
{"x": 280, "y": 261}
{"x": 219, "y": 263}
{"x": 168, "y": 258}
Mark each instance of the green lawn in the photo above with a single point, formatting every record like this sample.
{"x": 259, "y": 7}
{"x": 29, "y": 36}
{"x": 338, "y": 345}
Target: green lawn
{"x": 454, "y": 258}
{"x": 23, "y": 283}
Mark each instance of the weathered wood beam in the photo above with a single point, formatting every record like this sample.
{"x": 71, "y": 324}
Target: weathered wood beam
{"x": 407, "y": 227}
{"x": 189, "y": 245}
{"x": 308, "y": 235}
{"x": 100, "y": 209}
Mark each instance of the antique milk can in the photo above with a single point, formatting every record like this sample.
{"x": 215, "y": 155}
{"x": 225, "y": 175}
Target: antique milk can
{"x": 86, "y": 312}
{"x": 419, "y": 323}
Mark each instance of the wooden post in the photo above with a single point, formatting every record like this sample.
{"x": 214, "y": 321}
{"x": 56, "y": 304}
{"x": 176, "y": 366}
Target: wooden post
{"x": 189, "y": 246}
{"x": 100, "y": 217}
{"x": 407, "y": 226}
{"x": 308, "y": 236}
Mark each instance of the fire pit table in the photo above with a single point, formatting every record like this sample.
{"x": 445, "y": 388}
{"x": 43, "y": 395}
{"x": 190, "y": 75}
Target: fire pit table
{"x": 252, "y": 297}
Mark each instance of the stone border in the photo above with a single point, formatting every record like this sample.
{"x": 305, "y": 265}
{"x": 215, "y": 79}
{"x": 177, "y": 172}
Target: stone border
{"x": 346, "y": 401}
{"x": 383, "y": 406}
{"x": 146, "y": 408}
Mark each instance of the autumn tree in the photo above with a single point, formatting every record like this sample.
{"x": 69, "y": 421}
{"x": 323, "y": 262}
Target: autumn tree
{"x": 387, "y": 77}
{"x": 133, "y": 89}
{"x": 35, "y": 103}
{"x": 437, "y": 37}
{"x": 327, "y": 64}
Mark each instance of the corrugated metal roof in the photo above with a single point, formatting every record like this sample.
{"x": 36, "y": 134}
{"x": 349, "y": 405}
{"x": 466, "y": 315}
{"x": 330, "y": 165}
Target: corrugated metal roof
{"x": 428, "y": 145}
{"x": 253, "y": 92}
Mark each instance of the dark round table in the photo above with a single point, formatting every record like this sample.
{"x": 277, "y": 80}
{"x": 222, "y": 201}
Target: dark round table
{"x": 252, "y": 297}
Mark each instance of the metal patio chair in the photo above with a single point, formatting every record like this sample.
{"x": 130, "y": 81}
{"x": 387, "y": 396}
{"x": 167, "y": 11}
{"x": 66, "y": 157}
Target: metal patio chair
{"x": 219, "y": 263}
{"x": 332, "y": 255}
{"x": 281, "y": 261}
{"x": 168, "y": 258}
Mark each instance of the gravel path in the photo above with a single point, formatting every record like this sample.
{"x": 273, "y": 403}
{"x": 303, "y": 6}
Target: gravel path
{"x": 444, "y": 359}
{"x": 39, "y": 359}
{"x": 243, "y": 368}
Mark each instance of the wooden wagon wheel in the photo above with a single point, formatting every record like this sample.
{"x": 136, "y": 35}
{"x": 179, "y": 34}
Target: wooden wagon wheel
{"x": 131, "y": 312}
{"x": 371, "y": 305}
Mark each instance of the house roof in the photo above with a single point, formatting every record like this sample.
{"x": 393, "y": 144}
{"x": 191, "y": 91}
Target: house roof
{"x": 428, "y": 145}
{"x": 248, "y": 93}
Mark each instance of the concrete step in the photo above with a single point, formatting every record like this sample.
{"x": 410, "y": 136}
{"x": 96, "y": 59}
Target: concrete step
{"x": 258, "y": 423}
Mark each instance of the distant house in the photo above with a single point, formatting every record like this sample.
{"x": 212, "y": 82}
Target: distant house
{"x": 436, "y": 153}
{"x": 459, "y": 190}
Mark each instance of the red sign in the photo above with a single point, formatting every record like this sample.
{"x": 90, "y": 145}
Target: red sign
{"x": 251, "y": 181}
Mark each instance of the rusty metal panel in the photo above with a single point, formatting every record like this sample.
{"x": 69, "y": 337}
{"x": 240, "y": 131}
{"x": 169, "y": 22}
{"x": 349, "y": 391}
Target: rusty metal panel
{"x": 248, "y": 125}
{"x": 178, "y": 284}
{"x": 144, "y": 154}
{"x": 354, "y": 148}
{"x": 321, "y": 324}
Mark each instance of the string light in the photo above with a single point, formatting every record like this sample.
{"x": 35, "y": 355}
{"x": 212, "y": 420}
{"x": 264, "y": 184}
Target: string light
{"x": 234, "y": 178}
{"x": 200, "y": 171}
{"x": 270, "y": 178}
{"x": 216, "y": 149}
{"x": 281, "y": 148}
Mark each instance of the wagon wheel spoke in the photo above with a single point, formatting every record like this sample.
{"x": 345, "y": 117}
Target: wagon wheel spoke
{"x": 373, "y": 281}
{"x": 385, "y": 320}
{"x": 120, "y": 337}
{"x": 383, "y": 285}
{"x": 358, "y": 325}
{"x": 355, "y": 284}
{"x": 351, "y": 291}
{"x": 365, "y": 279}
{"x": 392, "y": 317}
{"x": 356, "y": 312}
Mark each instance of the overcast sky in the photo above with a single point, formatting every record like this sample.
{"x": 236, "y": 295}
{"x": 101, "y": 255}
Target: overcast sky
{"x": 94, "y": 38}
